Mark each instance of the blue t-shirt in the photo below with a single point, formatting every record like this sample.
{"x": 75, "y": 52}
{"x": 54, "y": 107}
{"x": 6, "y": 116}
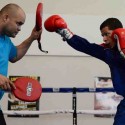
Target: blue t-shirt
{"x": 7, "y": 52}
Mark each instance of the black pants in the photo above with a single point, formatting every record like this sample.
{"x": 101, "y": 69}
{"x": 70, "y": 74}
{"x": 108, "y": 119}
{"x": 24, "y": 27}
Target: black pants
{"x": 2, "y": 119}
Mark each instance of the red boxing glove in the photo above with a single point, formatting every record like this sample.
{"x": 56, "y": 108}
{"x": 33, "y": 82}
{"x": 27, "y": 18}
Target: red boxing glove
{"x": 54, "y": 22}
{"x": 119, "y": 36}
{"x": 57, "y": 24}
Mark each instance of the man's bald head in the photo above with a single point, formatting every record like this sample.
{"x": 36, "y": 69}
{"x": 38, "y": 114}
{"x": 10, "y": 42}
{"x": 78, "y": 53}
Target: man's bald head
{"x": 12, "y": 17}
{"x": 11, "y": 9}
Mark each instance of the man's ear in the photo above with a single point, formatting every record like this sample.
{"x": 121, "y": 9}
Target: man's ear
{"x": 5, "y": 17}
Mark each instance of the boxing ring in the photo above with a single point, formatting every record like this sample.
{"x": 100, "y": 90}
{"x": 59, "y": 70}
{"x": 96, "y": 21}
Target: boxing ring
{"x": 74, "y": 111}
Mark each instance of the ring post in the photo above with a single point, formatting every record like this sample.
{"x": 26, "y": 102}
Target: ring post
{"x": 74, "y": 106}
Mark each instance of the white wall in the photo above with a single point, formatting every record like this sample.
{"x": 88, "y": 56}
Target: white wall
{"x": 64, "y": 71}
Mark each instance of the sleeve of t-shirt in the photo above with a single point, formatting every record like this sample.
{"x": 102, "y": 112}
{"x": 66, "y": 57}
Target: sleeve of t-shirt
{"x": 83, "y": 45}
{"x": 13, "y": 51}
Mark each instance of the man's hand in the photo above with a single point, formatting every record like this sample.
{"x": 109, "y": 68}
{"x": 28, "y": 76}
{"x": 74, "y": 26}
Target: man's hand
{"x": 35, "y": 34}
{"x": 57, "y": 24}
{"x": 6, "y": 84}
{"x": 118, "y": 36}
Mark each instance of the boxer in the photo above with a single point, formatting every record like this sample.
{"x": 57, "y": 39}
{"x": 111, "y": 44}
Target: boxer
{"x": 112, "y": 52}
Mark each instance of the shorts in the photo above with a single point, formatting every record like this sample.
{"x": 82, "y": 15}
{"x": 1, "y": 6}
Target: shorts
{"x": 2, "y": 119}
{"x": 119, "y": 118}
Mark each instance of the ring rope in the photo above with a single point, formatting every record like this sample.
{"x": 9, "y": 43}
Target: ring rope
{"x": 67, "y": 90}
{"x": 80, "y": 90}
{"x": 88, "y": 112}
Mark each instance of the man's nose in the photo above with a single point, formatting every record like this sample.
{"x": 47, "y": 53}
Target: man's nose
{"x": 19, "y": 28}
{"x": 104, "y": 38}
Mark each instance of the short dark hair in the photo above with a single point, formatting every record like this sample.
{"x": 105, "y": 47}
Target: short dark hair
{"x": 111, "y": 23}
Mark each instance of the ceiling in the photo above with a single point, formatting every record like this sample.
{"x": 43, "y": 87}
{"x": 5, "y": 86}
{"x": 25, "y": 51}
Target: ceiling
{"x": 84, "y": 7}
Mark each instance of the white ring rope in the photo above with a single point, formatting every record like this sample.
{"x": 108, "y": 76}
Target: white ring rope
{"x": 97, "y": 112}
{"x": 89, "y": 112}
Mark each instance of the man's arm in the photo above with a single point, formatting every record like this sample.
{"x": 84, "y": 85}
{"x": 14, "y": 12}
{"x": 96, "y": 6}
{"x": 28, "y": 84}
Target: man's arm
{"x": 57, "y": 24}
{"x": 24, "y": 46}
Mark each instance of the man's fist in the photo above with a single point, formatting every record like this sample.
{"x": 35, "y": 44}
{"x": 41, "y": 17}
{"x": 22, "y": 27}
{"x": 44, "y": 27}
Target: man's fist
{"x": 57, "y": 24}
{"x": 119, "y": 36}
{"x": 54, "y": 22}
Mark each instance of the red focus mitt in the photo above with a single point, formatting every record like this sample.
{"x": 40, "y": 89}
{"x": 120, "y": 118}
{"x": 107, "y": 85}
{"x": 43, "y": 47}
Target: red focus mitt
{"x": 27, "y": 89}
{"x": 119, "y": 36}
{"x": 39, "y": 13}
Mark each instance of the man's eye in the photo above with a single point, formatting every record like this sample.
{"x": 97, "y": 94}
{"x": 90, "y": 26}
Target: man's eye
{"x": 19, "y": 23}
{"x": 105, "y": 34}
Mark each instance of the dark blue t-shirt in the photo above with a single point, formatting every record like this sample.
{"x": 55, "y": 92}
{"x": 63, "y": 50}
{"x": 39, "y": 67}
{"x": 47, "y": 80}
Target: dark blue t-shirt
{"x": 110, "y": 56}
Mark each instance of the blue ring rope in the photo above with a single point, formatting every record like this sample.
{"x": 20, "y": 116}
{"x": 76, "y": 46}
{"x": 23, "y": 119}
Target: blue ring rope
{"x": 78, "y": 90}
